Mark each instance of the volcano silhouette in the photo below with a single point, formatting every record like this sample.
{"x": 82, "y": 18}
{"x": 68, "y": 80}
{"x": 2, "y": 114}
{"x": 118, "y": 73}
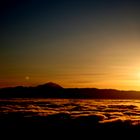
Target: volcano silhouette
{"x": 50, "y": 85}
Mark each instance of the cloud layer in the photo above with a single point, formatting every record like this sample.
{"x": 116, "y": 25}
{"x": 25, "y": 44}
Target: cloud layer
{"x": 85, "y": 112}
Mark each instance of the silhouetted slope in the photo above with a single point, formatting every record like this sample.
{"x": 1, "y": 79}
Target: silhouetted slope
{"x": 52, "y": 90}
{"x": 48, "y": 90}
{"x": 101, "y": 93}
{"x": 49, "y": 85}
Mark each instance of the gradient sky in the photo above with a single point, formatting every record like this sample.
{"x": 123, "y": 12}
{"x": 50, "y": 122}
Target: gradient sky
{"x": 75, "y": 43}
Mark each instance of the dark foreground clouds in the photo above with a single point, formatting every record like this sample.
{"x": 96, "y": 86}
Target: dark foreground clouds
{"x": 64, "y": 113}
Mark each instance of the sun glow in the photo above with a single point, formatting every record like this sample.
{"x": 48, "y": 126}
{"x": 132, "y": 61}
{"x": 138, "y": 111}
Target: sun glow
{"x": 138, "y": 75}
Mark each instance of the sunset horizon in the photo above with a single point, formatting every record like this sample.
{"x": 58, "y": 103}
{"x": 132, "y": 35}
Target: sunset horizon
{"x": 70, "y": 68}
{"x": 67, "y": 87}
{"x": 79, "y": 43}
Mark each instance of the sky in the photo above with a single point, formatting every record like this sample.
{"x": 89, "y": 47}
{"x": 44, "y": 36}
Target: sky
{"x": 75, "y": 43}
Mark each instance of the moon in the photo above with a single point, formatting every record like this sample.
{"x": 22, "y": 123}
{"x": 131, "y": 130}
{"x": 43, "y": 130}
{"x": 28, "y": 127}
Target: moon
{"x": 27, "y": 78}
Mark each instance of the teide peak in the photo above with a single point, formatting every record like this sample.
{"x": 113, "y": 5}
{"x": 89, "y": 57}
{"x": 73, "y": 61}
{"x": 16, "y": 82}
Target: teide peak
{"x": 53, "y": 90}
{"x": 50, "y": 85}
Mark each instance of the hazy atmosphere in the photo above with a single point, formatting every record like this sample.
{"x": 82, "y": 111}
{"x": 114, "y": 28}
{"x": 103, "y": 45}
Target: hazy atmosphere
{"x": 75, "y": 43}
{"x": 68, "y": 67}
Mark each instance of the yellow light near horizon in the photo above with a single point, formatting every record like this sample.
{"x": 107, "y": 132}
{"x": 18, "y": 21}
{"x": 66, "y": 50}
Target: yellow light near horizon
{"x": 138, "y": 75}
{"x": 135, "y": 74}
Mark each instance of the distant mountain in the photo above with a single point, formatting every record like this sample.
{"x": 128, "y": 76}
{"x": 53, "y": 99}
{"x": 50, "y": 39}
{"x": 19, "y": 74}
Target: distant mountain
{"x": 50, "y": 85}
{"x": 53, "y": 90}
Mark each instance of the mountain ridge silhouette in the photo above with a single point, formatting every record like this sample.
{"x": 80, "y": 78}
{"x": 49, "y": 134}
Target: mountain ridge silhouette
{"x": 53, "y": 90}
{"x": 50, "y": 85}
